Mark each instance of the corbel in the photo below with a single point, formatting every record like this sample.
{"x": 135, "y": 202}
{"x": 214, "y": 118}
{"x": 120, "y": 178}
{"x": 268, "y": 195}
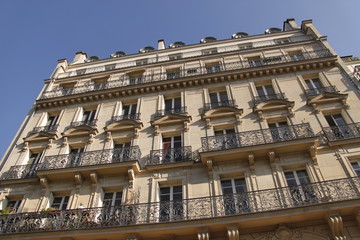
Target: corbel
{"x": 25, "y": 147}
{"x": 336, "y": 225}
{"x": 136, "y": 133}
{"x": 312, "y": 150}
{"x": 291, "y": 112}
{"x": 94, "y": 178}
{"x": 91, "y": 138}
{"x": 316, "y": 108}
{"x": 271, "y": 155}
{"x": 203, "y": 234}
{"x": 208, "y": 123}
{"x": 157, "y": 130}
{"x": 209, "y": 164}
{"x": 49, "y": 145}
{"x": 233, "y": 232}
{"x": 346, "y": 106}
{"x": 78, "y": 179}
{"x": 44, "y": 183}
{"x": 132, "y": 237}
{"x": 65, "y": 142}
{"x": 251, "y": 159}
{"x": 131, "y": 174}
{"x": 186, "y": 126}
{"x": 108, "y": 137}
{"x": 238, "y": 119}
{"x": 261, "y": 116}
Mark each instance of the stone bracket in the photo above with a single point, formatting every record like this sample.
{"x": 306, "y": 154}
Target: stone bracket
{"x": 203, "y": 234}
{"x": 233, "y": 232}
{"x": 336, "y": 225}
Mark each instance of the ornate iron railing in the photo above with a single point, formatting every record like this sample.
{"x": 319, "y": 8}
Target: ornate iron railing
{"x": 134, "y": 116}
{"x": 257, "y": 137}
{"x": 91, "y": 158}
{"x": 263, "y": 98}
{"x": 275, "y": 199}
{"x": 20, "y": 171}
{"x": 126, "y": 80}
{"x": 225, "y": 103}
{"x": 164, "y": 112}
{"x": 342, "y": 132}
{"x": 84, "y": 123}
{"x": 170, "y": 155}
{"x": 317, "y": 91}
{"x": 51, "y": 128}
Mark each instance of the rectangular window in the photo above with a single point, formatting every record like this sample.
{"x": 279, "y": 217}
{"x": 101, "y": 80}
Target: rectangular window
{"x": 235, "y": 196}
{"x": 60, "y": 203}
{"x": 112, "y": 199}
{"x": 313, "y": 83}
{"x": 128, "y": 110}
{"x": 265, "y": 90}
{"x": 356, "y": 167}
{"x": 172, "y": 149}
{"x": 52, "y": 120}
{"x": 34, "y": 160}
{"x": 280, "y": 131}
{"x": 299, "y": 186}
{"x": 171, "y": 205}
{"x": 121, "y": 152}
{"x": 245, "y": 46}
{"x": 175, "y": 56}
{"x": 172, "y": 104}
{"x": 173, "y": 73}
{"x": 13, "y": 205}
{"x": 218, "y": 99}
{"x": 210, "y": 51}
{"x": 339, "y": 129}
{"x": 255, "y": 61}
{"x": 296, "y": 55}
{"x": 226, "y": 139}
{"x": 88, "y": 116}
{"x": 75, "y": 156}
{"x": 80, "y": 72}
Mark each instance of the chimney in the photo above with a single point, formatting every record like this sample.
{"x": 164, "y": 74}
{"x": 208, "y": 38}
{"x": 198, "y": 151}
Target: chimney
{"x": 79, "y": 57}
{"x": 161, "y": 44}
{"x": 290, "y": 24}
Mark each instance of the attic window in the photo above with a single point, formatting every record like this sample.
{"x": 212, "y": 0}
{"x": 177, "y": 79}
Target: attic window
{"x": 245, "y": 46}
{"x": 80, "y": 72}
{"x": 141, "y": 62}
{"x": 110, "y": 67}
{"x": 175, "y": 56}
{"x": 210, "y": 51}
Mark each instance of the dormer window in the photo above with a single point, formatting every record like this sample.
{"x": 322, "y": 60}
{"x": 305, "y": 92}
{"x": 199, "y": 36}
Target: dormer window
{"x": 80, "y": 72}
{"x": 141, "y": 62}
{"x": 110, "y": 67}
{"x": 175, "y": 56}
{"x": 210, "y": 51}
{"x": 245, "y": 46}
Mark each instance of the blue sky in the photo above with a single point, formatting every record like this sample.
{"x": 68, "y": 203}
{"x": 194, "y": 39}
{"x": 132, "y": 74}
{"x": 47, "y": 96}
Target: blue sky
{"x": 35, "y": 34}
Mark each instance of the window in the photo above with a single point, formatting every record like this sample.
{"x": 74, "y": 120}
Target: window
{"x": 356, "y": 167}
{"x": 141, "y": 62}
{"x": 34, "y": 160}
{"x": 210, "y": 51}
{"x": 299, "y": 186}
{"x": 255, "y": 61}
{"x": 313, "y": 84}
{"x": 172, "y": 149}
{"x": 88, "y": 117}
{"x": 121, "y": 152}
{"x": 171, "y": 207}
{"x": 245, "y": 46}
{"x": 265, "y": 92}
{"x": 172, "y": 105}
{"x": 226, "y": 138}
{"x": 13, "y": 205}
{"x": 339, "y": 128}
{"x": 75, "y": 156}
{"x": 135, "y": 77}
{"x": 173, "y": 73}
{"x": 60, "y": 203}
{"x": 213, "y": 68}
{"x": 280, "y": 131}
{"x": 112, "y": 199}
{"x": 80, "y": 72}
{"x": 52, "y": 120}
{"x": 129, "y": 111}
{"x": 235, "y": 196}
{"x": 110, "y": 67}
{"x": 218, "y": 99}
{"x": 296, "y": 55}
{"x": 175, "y": 56}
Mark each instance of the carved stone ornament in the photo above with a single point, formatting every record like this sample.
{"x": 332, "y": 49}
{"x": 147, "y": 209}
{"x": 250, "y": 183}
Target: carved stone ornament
{"x": 25, "y": 147}
{"x": 283, "y": 233}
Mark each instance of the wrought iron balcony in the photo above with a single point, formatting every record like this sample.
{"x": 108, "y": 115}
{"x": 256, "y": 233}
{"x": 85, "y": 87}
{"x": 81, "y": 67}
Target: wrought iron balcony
{"x": 263, "y": 98}
{"x": 342, "y": 132}
{"x": 257, "y": 137}
{"x": 20, "y": 171}
{"x": 164, "y": 112}
{"x": 225, "y": 103}
{"x": 171, "y": 155}
{"x": 51, "y": 128}
{"x": 84, "y": 123}
{"x": 276, "y": 199}
{"x": 91, "y": 158}
{"x": 316, "y": 91}
{"x": 126, "y": 80}
{"x": 134, "y": 116}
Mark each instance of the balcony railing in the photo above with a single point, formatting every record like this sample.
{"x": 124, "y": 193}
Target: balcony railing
{"x": 115, "y": 155}
{"x": 51, "y": 128}
{"x": 84, "y": 123}
{"x": 20, "y": 171}
{"x": 134, "y": 116}
{"x": 275, "y": 199}
{"x": 263, "y": 98}
{"x": 316, "y": 91}
{"x": 164, "y": 112}
{"x": 224, "y": 103}
{"x": 171, "y": 155}
{"x": 257, "y": 137}
{"x": 342, "y": 132}
{"x": 126, "y": 80}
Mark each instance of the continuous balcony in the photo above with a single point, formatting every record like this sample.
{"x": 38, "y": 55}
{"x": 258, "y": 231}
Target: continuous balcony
{"x": 20, "y": 172}
{"x": 317, "y": 91}
{"x": 185, "y": 55}
{"x": 164, "y": 112}
{"x": 342, "y": 134}
{"x": 103, "y": 161}
{"x": 225, "y": 103}
{"x": 188, "y": 72}
{"x": 290, "y": 138}
{"x": 170, "y": 155}
{"x": 309, "y": 198}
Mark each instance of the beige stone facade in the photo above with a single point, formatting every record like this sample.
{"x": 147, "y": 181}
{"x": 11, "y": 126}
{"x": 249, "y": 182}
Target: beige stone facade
{"x": 253, "y": 137}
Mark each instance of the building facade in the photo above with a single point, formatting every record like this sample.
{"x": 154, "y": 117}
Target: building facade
{"x": 253, "y": 137}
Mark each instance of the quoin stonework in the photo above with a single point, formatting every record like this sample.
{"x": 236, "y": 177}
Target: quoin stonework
{"x": 246, "y": 138}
